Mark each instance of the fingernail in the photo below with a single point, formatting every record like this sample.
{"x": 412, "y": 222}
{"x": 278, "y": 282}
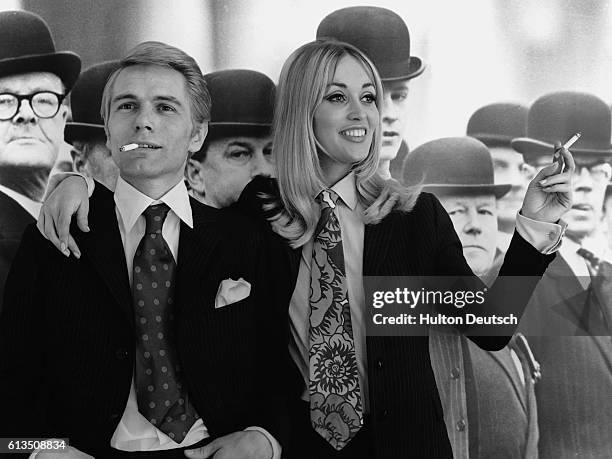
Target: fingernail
{"x": 543, "y": 182}
{"x": 77, "y": 254}
{"x": 87, "y": 228}
{"x": 66, "y": 252}
{"x": 63, "y": 247}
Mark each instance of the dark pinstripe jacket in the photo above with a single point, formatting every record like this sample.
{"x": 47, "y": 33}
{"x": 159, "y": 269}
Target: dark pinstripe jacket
{"x": 67, "y": 337}
{"x": 406, "y": 414}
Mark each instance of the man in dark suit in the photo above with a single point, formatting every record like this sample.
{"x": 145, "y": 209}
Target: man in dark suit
{"x": 163, "y": 334}
{"x": 564, "y": 322}
{"x": 34, "y": 81}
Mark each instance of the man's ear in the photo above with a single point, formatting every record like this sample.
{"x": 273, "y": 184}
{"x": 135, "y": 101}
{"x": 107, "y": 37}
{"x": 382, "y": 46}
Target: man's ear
{"x": 78, "y": 160}
{"x": 194, "y": 175}
{"x": 198, "y": 136}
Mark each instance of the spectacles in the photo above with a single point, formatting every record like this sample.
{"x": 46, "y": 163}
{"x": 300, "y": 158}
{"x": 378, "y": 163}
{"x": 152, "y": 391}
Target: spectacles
{"x": 45, "y": 104}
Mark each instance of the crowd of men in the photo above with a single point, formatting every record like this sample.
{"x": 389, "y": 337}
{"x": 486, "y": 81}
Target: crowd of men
{"x": 547, "y": 394}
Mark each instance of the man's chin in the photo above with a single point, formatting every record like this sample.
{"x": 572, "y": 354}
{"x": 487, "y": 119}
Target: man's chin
{"x": 389, "y": 152}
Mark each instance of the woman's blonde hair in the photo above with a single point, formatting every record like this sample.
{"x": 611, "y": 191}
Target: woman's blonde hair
{"x": 302, "y": 86}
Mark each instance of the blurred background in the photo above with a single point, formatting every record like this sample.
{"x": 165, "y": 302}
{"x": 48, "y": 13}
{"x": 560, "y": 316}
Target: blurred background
{"x": 477, "y": 51}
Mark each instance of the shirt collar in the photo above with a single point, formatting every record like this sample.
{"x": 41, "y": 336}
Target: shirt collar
{"x": 347, "y": 190}
{"x": 131, "y": 203}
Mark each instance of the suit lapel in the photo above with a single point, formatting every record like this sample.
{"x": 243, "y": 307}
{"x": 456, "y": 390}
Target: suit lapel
{"x": 196, "y": 245}
{"x": 103, "y": 247}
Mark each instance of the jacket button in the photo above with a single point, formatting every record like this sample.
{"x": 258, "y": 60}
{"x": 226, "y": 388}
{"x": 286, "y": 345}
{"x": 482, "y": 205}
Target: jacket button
{"x": 461, "y": 425}
{"x": 113, "y": 417}
{"x": 379, "y": 364}
{"x": 382, "y": 414}
{"x": 121, "y": 354}
{"x": 455, "y": 373}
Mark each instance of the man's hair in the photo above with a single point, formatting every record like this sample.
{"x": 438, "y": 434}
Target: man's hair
{"x": 163, "y": 55}
{"x": 85, "y": 147}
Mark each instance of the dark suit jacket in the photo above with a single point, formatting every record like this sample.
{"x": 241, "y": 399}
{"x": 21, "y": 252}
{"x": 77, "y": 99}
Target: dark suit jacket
{"x": 67, "y": 336}
{"x": 406, "y": 414}
{"x": 13, "y": 221}
{"x": 575, "y": 393}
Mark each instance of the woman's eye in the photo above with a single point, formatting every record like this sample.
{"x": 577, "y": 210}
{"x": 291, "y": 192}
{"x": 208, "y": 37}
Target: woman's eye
{"x": 336, "y": 98}
{"x": 369, "y": 98}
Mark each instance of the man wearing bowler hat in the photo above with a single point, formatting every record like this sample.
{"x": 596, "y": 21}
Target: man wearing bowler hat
{"x": 488, "y": 397}
{"x": 383, "y": 36}
{"x": 85, "y": 132}
{"x": 496, "y": 125}
{"x": 566, "y": 323}
{"x": 34, "y": 82}
{"x": 238, "y": 146}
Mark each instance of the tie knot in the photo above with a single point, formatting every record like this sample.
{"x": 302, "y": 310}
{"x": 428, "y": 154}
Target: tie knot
{"x": 155, "y": 216}
{"x": 327, "y": 199}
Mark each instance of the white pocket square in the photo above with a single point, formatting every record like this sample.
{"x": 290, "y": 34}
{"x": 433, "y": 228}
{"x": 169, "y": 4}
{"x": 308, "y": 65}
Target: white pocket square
{"x": 231, "y": 291}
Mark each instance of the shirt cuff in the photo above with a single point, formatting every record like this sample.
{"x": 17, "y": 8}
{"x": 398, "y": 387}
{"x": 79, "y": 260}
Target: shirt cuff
{"x": 58, "y": 178}
{"x": 544, "y": 237}
{"x": 276, "y": 447}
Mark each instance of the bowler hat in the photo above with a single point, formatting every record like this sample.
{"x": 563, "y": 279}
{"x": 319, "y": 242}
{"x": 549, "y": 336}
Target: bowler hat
{"x": 379, "y": 33}
{"x": 558, "y": 116}
{"x": 453, "y": 165}
{"x": 26, "y": 46}
{"x": 498, "y": 124}
{"x": 242, "y": 103}
{"x": 85, "y": 102}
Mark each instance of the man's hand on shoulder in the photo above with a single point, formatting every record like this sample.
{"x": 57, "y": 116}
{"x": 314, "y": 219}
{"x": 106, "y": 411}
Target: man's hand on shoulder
{"x": 248, "y": 444}
{"x": 68, "y": 198}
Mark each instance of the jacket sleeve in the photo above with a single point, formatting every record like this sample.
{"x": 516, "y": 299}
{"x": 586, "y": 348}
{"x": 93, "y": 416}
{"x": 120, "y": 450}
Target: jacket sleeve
{"x": 518, "y": 276}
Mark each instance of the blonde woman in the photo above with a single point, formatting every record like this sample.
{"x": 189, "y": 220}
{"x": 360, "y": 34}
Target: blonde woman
{"x": 358, "y": 396}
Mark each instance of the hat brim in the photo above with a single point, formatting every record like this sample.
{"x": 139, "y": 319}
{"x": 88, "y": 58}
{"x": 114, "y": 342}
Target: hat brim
{"x": 493, "y": 139}
{"x": 533, "y": 148}
{"x": 226, "y": 129}
{"x": 66, "y": 65}
{"x": 82, "y": 131}
{"x": 442, "y": 188}
{"x": 415, "y": 68}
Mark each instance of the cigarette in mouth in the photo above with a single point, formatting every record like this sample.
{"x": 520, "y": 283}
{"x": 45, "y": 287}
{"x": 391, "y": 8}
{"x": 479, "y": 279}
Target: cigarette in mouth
{"x": 129, "y": 147}
{"x": 572, "y": 141}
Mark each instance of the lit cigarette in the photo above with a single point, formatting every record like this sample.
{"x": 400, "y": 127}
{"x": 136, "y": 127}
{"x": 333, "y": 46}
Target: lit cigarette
{"x": 129, "y": 147}
{"x": 572, "y": 141}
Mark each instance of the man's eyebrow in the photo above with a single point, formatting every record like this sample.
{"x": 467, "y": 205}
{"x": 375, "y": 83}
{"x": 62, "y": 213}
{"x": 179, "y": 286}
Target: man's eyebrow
{"x": 172, "y": 99}
{"x": 36, "y": 89}
{"x": 238, "y": 143}
{"x": 128, "y": 95}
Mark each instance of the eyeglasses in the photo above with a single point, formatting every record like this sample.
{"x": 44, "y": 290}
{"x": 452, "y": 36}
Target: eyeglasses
{"x": 45, "y": 104}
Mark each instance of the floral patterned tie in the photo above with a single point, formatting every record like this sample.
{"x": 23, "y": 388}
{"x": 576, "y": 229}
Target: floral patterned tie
{"x": 336, "y": 411}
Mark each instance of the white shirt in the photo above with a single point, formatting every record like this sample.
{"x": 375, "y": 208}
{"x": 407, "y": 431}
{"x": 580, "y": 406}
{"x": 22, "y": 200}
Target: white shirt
{"x": 32, "y": 207}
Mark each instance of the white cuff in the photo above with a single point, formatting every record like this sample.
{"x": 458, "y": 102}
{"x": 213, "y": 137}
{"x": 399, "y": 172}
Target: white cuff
{"x": 58, "y": 178}
{"x": 545, "y": 237}
{"x": 276, "y": 447}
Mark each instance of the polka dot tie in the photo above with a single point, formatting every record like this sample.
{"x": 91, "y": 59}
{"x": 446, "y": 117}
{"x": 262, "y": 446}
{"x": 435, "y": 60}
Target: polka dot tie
{"x": 336, "y": 411}
{"x": 161, "y": 397}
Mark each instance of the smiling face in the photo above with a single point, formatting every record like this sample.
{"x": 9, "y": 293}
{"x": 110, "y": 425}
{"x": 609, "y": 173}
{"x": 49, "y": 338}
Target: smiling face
{"x": 229, "y": 165}
{"x": 475, "y": 220}
{"x": 150, "y": 107}
{"x": 345, "y": 120}
{"x": 27, "y": 140}
{"x": 394, "y": 117}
